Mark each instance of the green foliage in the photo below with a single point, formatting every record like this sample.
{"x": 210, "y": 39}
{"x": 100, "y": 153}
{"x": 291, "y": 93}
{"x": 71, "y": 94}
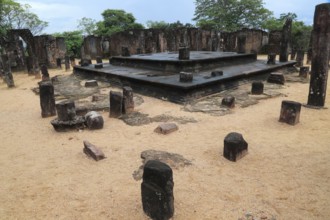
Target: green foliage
{"x": 164, "y": 25}
{"x": 73, "y": 41}
{"x": 87, "y": 25}
{"x": 115, "y": 21}
{"x": 230, "y": 15}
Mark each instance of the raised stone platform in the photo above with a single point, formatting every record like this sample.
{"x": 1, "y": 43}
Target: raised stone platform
{"x": 158, "y": 75}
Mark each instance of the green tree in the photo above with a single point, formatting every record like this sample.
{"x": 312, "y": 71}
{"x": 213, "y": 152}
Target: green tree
{"x": 116, "y": 21}
{"x": 230, "y": 15}
{"x": 73, "y": 41}
{"x": 164, "y": 25}
{"x": 87, "y": 25}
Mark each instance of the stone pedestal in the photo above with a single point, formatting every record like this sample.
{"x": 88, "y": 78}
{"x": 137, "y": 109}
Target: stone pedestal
{"x": 94, "y": 120}
{"x": 157, "y": 190}
{"x": 116, "y": 104}
{"x": 184, "y": 53}
{"x": 66, "y": 110}
{"x": 303, "y": 71}
{"x": 290, "y": 112}
{"x": 235, "y": 147}
{"x": 128, "y": 101}
{"x": 277, "y": 78}
{"x": 257, "y": 88}
{"x": 228, "y": 102}
{"x": 186, "y": 77}
{"x": 47, "y": 99}
{"x": 271, "y": 59}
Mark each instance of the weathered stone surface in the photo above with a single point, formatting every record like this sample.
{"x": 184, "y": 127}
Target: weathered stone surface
{"x": 257, "y": 88}
{"x": 44, "y": 73}
{"x": 94, "y": 120}
{"x": 300, "y": 58}
{"x": 98, "y": 66}
{"x": 241, "y": 42}
{"x": 277, "y": 78}
{"x": 290, "y": 112}
{"x": 91, "y": 83}
{"x": 157, "y": 190}
{"x": 85, "y": 62}
{"x": 228, "y": 101}
{"x": 235, "y": 147}
{"x": 271, "y": 59}
{"x": 59, "y": 63}
{"x": 303, "y": 71}
{"x": 72, "y": 61}
{"x": 99, "y": 59}
{"x": 67, "y": 63}
{"x": 128, "y": 101}
{"x": 217, "y": 73}
{"x": 184, "y": 53}
{"x": 61, "y": 126}
{"x": 116, "y": 104}
{"x": 186, "y": 77}
{"x": 47, "y": 99}
{"x": 66, "y": 110}
{"x": 286, "y": 37}
{"x": 320, "y": 56}
{"x": 92, "y": 151}
{"x": 125, "y": 52}
{"x": 166, "y": 128}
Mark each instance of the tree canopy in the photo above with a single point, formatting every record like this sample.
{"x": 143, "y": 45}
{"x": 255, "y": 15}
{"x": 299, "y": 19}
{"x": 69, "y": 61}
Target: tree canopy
{"x": 116, "y": 21}
{"x": 164, "y": 25}
{"x": 87, "y": 25}
{"x": 230, "y": 15}
{"x": 73, "y": 42}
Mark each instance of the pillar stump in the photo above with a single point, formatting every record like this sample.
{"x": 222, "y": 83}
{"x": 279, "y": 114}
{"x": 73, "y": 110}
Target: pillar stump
{"x": 128, "y": 101}
{"x": 241, "y": 43}
{"x": 303, "y": 71}
{"x": 59, "y": 63}
{"x": 257, "y": 88}
{"x": 277, "y": 78}
{"x": 66, "y": 110}
{"x": 67, "y": 63}
{"x": 116, "y": 104}
{"x": 228, "y": 101}
{"x": 320, "y": 56}
{"x": 157, "y": 190}
{"x": 125, "y": 52}
{"x": 47, "y": 99}
{"x": 186, "y": 77}
{"x": 94, "y": 120}
{"x": 72, "y": 61}
{"x": 271, "y": 59}
{"x": 184, "y": 53}
{"x": 290, "y": 112}
{"x": 44, "y": 73}
{"x": 99, "y": 59}
{"x": 235, "y": 147}
{"x": 300, "y": 58}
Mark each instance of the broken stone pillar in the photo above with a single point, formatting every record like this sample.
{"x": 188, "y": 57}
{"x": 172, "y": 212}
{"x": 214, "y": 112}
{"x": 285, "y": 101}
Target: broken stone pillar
{"x": 271, "y": 59}
{"x": 157, "y": 190}
{"x": 67, "y": 63}
{"x": 72, "y": 61}
{"x": 300, "y": 58}
{"x": 66, "y": 110}
{"x": 186, "y": 77}
{"x": 241, "y": 43}
{"x": 47, "y": 99}
{"x": 8, "y": 76}
{"x": 44, "y": 73}
{"x": 116, "y": 104}
{"x": 290, "y": 112}
{"x": 184, "y": 53}
{"x": 92, "y": 151}
{"x": 309, "y": 51}
{"x": 235, "y": 147}
{"x": 166, "y": 128}
{"x": 99, "y": 59}
{"x": 85, "y": 62}
{"x": 94, "y": 120}
{"x": 125, "y": 52}
{"x": 35, "y": 68}
{"x": 128, "y": 101}
{"x": 59, "y": 63}
{"x": 303, "y": 71}
{"x": 228, "y": 101}
{"x": 286, "y": 36}
{"x": 320, "y": 57}
{"x": 277, "y": 78}
{"x": 257, "y": 88}
{"x": 29, "y": 65}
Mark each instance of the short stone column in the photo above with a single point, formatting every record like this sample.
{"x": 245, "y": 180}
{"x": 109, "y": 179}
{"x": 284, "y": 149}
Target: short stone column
{"x": 286, "y": 36}
{"x": 290, "y": 112}
{"x": 44, "y": 73}
{"x": 271, "y": 59}
{"x": 228, "y": 101}
{"x": 184, "y": 53}
{"x": 116, "y": 104}
{"x": 8, "y": 76}
{"x": 128, "y": 101}
{"x": 186, "y": 77}
{"x": 66, "y": 110}
{"x": 300, "y": 58}
{"x": 99, "y": 59}
{"x": 94, "y": 120}
{"x": 257, "y": 88}
{"x": 277, "y": 78}
{"x": 320, "y": 58}
{"x": 125, "y": 52}
{"x": 157, "y": 190}
{"x": 59, "y": 63}
{"x": 67, "y": 63}
{"x": 47, "y": 99}
{"x": 235, "y": 147}
{"x": 303, "y": 71}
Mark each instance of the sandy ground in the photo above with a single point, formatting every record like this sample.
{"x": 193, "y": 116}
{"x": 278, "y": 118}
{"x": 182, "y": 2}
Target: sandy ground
{"x": 46, "y": 175}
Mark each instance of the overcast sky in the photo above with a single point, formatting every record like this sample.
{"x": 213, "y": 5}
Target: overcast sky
{"x": 63, "y": 15}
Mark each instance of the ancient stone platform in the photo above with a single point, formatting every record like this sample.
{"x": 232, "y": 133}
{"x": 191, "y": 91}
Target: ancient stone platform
{"x": 157, "y": 75}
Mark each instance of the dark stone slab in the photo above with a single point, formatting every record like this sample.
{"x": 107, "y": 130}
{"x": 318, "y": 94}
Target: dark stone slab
{"x": 91, "y": 83}
{"x": 277, "y": 78}
{"x": 92, "y": 151}
{"x": 94, "y": 120}
{"x": 166, "y": 128}
{"x": 257, "y": 88}
{"x": 290, "y": 112}
{"x": 235, "y": 147}
{"x": 47, "y": 99}
{"x": 116, "y": 104}
{"x": 61, "y": 126}
{"x": 228, "y": 101}
{"x": 157, "y": 190}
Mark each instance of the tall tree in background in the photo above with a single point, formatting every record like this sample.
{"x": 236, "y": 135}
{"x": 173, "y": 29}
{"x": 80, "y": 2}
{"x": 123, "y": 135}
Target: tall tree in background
{"x": 116, "y": 21}
{"x": 87, "y": 25}
{"x": 164, "y": 25}
{"x": 73, "y": 41}
{"x": 230, "y": 15}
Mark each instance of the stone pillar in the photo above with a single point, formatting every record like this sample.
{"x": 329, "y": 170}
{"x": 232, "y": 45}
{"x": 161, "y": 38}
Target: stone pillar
{"x": 157, "y": 190}
{"x": 8, "y": 76}
{"x": 116, "y": 104}
{"x": 271, "y": 59}
{"x": 241, "y": 43}
{"x": 184, "y": 53}
{"x": 235, "y": 147}
{"x": 128, "y": 102}
{"x": 228, "y": 101}
{"x": 47, "y": 99}
{"x": 300, "y": 58}
{"x": 67, "y": 63}
{"x": 257, "y": 88}
{"x": 320, "y": 57}
{"x": 66, "y": 110}
{"x": 286, "y": 36}
{"x": 59, "y": 63}
{"x": 29, "y": 65}
{"x": 303, "y": 71}
{"x": 72, "y": 61}
{"x": 290, "y": 112}
{"x": 44, "y": 73}
{"x": 125, "y": 52}
{"x": 99, "y": 59}
{"x": 309, "y": 51}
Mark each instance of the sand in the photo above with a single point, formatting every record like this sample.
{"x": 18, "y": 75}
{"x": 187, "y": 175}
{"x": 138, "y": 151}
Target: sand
{"x": 46, "y": 175}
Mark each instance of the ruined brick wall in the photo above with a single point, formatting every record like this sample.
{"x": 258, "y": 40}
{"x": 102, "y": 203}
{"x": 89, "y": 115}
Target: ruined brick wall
{"x": 274, "y": 43}
{"x": 92, "y": 47}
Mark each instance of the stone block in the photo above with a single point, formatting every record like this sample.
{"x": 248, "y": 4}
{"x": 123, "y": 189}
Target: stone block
{"x": 125, "y": 52}
{"x": 157, "y": 190}
{"x": 186, "y": 77}
{"x": 47, "y": 99}
{"x": 98, "y": 66}
{"x": 290, "y": 112}
{"x": 184, "y": 53}
{"x": 303, "y": 71}
{"x": 228, "y": 101}
{"x": 166, "y": 128}
{"x": 94, "y": 120}
{"x": 257, "y": 88}
{"x": 235, "y": 147}
{"x": 91, "y": 83}
{"x": 128, "y": 101}
{"x": 276, "y": 78}
{"x": 116, "y": 104}
{"x": 271, "y": 59}
{"x": 217, "y": 73}
{"x": 92, "y": 151}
